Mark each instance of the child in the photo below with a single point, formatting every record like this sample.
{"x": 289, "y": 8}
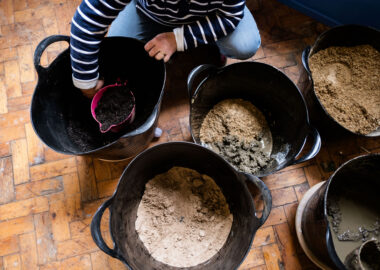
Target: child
{"x": 166, "y": 25}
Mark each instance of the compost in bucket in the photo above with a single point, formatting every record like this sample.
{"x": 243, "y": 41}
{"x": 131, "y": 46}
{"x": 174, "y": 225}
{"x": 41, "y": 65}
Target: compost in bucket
{"x": 81, "y": 130}
{"x": 183, "y": 218}
{"x": 354, "y": 215}
{"x": 237, "y": 130}
{"x": 115, "y": 106}
{"x": 347, "y": 83}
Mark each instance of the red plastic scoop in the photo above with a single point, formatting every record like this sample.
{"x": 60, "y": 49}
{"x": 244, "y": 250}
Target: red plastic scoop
{"x": 117, "y": 126}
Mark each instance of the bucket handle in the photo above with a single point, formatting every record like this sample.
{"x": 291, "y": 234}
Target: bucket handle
{"x": 96, "y": 233}
{"x": 305, "y": 60}
{"x": 265, "y": 193}
{"x": 210, "y": 69}
{"x": 314, "y": 149}
{"x": 41, "y": 48}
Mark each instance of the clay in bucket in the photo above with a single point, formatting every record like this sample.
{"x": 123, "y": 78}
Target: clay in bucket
{"x": 113, "y": 107}
{"x": 353, "y": 209}
{"x": 237, "y": 130}
{"x": 354, "y": 218}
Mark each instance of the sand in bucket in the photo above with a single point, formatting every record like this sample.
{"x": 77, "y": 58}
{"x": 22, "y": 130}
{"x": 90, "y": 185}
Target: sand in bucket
{"x": 113, "y": 107}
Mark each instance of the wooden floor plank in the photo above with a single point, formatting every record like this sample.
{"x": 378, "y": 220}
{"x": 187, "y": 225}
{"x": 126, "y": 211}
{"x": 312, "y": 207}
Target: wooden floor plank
{"x": 87, "y": 179}
{"x": 25, "y": 56}
{"x": 47, "y": 251}
{"x": 16, "y": 226}
{"x": 272, "y": 256}
{"x": 28, "y": 246}
{"x": 12, "y": 262}
{"x": 9, "y": 245}
{"x": 23, "y": 208}
{"x": 3, "y": 98}
{"x": 53, "y": 169}
{"x": 12, "y": 79}
{"x": 20, "y": 161}
{"x": 287, "y": 245}
{"x": 6, "y": 184}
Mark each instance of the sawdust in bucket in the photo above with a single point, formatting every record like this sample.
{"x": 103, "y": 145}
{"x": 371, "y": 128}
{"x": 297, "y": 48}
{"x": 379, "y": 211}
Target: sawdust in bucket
{"x": 183, "y": 218}
{"x": 237, "y": 130}
{"x": 347, "y": 82}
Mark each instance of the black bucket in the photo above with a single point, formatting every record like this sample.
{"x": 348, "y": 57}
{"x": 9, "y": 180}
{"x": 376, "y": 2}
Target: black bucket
{"x": 123, "y": 205}
{"x": 360, "y": 175}
{"x": 59, "y": 111}
{"x": 272, "y": 92}
{"x": 346, "y": 36}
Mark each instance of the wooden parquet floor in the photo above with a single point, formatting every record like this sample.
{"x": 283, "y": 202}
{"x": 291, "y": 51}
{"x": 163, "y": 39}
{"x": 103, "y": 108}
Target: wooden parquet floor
{"x": 47, "y": 199}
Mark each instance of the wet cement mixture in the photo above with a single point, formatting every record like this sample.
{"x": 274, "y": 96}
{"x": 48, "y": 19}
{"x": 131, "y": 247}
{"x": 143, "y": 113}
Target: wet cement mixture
{"x": 237, "y": 130}
{"x": 183, "y": 218}
{"x": 362, "y": 233}
{"x": 115, "y": 106}
{"x": 347, "y": 82}
{"x": 353, "y": 218}
{"x": 246, "y": 156}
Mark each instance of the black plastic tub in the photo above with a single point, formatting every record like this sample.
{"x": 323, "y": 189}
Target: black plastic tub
{"x": 60, "y": 113}
{"x": 272, "y": 92}
{"x": 124, "y": 203}
{"x": 347, "y": 36}
{"x": 362, "y": 176}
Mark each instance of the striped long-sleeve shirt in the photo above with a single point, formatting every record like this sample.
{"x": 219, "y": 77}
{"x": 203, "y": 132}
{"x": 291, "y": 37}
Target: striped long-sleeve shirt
{"x": 194, "y": 22}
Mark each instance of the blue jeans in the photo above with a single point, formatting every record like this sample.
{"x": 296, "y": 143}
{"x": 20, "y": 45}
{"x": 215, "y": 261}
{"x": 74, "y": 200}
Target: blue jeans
{"x": 242, "y": 43}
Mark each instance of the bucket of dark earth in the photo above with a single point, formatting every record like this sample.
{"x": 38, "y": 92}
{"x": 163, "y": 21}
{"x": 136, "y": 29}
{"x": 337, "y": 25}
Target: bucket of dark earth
{"x": 330, "y": 106}
{"x": 343, "y": 213}
{"x": 123, "y": 206}
{"x": 61, "y": 115}
{"x": 273, "y": 93}
{"x": 113, "y": 107}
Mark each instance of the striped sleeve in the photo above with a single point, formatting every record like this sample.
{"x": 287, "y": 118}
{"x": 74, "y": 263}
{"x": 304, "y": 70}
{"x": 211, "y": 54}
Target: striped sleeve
{"x": 215, "y": 26}
{"x": 88, "y": 28}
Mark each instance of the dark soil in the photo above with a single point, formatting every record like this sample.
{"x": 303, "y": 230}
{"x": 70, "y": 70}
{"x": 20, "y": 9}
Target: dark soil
{"x": 82, "y": 131}
{"x": 86, "y": 137}
{"x": 114, "y": 106}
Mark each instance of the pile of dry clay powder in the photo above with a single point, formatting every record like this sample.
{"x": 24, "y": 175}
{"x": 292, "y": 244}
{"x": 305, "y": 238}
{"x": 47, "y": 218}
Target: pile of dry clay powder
{"x": 183, "y": 218}
{"x": 347, "y": 82}
{"x": 237, "y": 130}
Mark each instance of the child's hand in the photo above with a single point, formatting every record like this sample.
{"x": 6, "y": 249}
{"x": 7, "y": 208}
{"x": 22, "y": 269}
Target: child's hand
{"x": 162, "y": 46}
{"x": 90, "y": 93}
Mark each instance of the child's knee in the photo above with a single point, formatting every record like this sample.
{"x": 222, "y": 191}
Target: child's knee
{"x": 248, "y": 48}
